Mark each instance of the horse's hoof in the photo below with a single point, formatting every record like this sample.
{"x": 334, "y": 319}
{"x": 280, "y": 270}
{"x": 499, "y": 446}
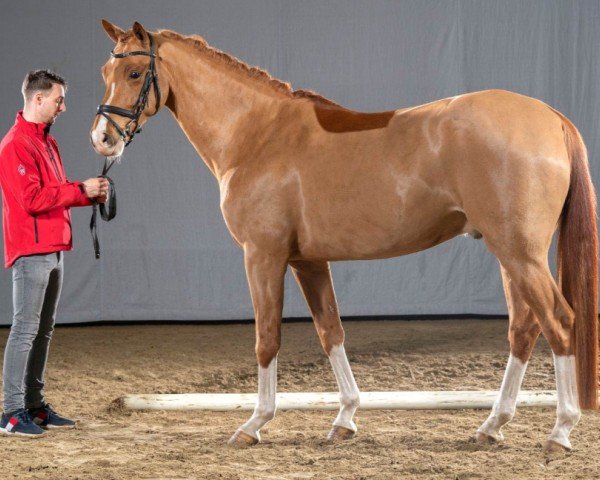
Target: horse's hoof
{"x": 552, "y": 448}
{"x": 485, "y": 439}
{"x": 241, "y": 440}
{"x": 339, "y": 434}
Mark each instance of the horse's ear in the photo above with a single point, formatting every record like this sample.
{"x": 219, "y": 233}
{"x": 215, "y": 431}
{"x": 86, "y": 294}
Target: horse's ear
{"x": 140, "y": 32}
{"x": 113, "y": 31}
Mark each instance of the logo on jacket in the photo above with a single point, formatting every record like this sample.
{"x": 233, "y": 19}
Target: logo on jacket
{"x": 21, "y": 169}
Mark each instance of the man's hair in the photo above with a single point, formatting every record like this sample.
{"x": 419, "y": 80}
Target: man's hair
{"x": 40, "y": 80}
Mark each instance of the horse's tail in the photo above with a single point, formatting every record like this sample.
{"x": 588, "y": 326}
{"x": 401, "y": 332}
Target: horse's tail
{"x": 578, "y": 265}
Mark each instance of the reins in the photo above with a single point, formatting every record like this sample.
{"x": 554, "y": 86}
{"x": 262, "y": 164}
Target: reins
{"x": 108, "y": 211}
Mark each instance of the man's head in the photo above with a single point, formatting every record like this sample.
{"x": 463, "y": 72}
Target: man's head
{"x": 44, "y": 96}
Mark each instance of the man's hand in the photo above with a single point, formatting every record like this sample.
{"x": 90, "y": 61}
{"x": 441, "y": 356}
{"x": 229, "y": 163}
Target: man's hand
{"x": 101, "y": 199}
{"x": 96, "y": 188}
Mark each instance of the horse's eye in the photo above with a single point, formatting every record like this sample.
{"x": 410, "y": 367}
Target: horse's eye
{"x": 134, "y": 75}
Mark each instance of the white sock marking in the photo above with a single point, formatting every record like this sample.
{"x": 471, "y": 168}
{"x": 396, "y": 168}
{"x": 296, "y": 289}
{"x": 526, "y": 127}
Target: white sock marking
{"x": 265, "y": 406}
{"x": 567, "y": 408}
{"x": 505, "y": 405}
{"x": 349, "y": 394}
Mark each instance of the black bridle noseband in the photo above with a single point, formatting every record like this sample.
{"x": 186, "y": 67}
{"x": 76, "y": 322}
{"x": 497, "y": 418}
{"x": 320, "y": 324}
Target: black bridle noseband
{"x": 135, "y": 113}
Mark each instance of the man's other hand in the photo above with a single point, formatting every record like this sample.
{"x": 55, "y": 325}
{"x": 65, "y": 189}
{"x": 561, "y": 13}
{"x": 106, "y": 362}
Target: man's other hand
{"x": 96, "y": 187}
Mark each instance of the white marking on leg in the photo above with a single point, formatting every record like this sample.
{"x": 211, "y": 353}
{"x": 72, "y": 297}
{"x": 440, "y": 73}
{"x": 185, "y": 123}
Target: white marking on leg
{"x": 349, "y": 394}
{"x": 567, "y": 408}
{"x": 504, "y": 407}
{"x": 265, "y": 406}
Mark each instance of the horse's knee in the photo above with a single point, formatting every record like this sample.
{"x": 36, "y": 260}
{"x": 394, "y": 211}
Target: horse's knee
{"x": 266, "y": 350}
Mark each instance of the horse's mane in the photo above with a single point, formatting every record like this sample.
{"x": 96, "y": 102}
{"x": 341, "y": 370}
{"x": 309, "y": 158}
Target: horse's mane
{"x": 284, "y": 87}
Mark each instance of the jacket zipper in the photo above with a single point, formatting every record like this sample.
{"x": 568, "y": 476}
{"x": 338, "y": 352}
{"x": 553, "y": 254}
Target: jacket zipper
{"x": 53, "y": 160}
{"x": 35, "y": 229}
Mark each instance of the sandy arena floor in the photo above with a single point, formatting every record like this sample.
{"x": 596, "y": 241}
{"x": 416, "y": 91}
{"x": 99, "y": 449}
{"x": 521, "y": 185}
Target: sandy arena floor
{"x": 91, "y": 366}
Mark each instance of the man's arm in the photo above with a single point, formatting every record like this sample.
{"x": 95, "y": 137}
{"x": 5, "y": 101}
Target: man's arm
{"x": 21, "y": 176}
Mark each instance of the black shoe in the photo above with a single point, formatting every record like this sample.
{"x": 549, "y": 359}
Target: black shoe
{"x": 46, "y": 417}
{"x": 19, "y": 422}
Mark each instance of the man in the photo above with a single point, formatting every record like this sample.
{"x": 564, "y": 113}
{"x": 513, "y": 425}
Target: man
{"x": 36, "y": 198}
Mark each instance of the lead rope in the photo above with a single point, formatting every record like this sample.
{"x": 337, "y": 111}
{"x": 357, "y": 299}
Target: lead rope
{"x": 107, "y": 213}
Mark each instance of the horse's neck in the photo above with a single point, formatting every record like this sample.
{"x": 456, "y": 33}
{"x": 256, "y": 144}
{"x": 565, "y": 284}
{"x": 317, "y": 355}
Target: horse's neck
{"x": 214, "y": 105}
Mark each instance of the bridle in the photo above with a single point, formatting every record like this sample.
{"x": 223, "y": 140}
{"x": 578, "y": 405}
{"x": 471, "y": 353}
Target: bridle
{"x": 126, "y": 134}
{"x": 135, "y": 113}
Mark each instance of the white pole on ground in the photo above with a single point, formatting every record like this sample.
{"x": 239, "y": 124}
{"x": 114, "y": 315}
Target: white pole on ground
{"x": 446, "y": 400}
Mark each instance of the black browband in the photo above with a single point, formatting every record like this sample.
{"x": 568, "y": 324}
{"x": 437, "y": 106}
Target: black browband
{"x": 134, "y": 114}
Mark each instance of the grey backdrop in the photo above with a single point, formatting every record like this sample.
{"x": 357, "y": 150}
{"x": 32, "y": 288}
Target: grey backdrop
{"x": 168, "y": 255}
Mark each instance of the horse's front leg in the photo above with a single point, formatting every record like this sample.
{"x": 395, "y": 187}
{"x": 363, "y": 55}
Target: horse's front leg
{"x": 314, "y": 279}
{"x": 265, "y": 272}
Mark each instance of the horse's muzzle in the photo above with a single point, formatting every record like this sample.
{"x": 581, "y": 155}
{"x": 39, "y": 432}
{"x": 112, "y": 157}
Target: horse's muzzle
{"x": 105, "y": 144}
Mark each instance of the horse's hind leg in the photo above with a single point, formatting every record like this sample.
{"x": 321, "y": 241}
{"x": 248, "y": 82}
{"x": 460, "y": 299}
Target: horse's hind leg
{"x": 524, "y": 330}
{"x": 314, "y": 279}
{"x": 265, "y": 272}
{"x": 531, "y": 277}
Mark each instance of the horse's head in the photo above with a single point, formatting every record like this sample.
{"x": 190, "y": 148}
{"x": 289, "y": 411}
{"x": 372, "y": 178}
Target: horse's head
{"x": 133, "y": 92}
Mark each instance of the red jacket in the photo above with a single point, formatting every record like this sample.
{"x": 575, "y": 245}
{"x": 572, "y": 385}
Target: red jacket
{"x": 36, "y": 195}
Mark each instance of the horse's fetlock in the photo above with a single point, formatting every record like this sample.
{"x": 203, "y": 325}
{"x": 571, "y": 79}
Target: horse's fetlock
{"x": 504, "y": 417}
{"x": 569, "y": 416}
{"x": 265, "y": 413}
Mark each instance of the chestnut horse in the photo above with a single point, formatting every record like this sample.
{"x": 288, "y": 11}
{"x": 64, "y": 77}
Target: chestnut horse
{"x": 305, "y": 181}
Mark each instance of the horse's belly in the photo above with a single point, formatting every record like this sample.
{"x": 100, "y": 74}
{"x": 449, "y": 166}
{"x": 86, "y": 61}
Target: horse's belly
{"x": 359, "y": 236}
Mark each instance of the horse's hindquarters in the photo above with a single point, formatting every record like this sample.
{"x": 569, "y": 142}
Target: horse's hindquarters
{"x": 511, "y": 170}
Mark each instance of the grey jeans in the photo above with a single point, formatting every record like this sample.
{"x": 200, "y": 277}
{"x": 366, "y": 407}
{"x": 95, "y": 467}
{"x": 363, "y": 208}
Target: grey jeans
{"x": 37, "y": 282}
